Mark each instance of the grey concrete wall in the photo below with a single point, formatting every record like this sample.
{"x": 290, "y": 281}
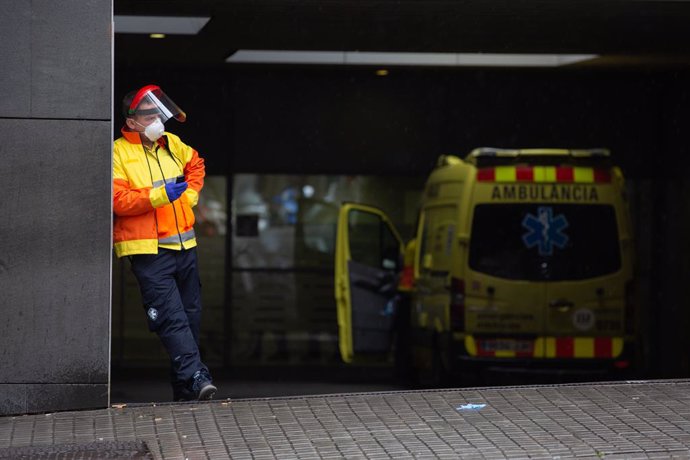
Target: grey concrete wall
{"x": 55, "y": 211}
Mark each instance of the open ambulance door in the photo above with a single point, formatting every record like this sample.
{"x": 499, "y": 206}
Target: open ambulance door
{"x": 368, "y": 257}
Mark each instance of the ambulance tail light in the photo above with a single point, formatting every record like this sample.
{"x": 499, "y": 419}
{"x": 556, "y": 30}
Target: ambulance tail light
{"x": 630, "y": 328}
{"x": 457, "y": 304}
{"x": 621, "y": 364}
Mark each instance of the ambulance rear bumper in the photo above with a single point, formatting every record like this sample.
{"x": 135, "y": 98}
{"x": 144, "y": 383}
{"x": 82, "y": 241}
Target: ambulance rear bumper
{"x": 619, "y": 367}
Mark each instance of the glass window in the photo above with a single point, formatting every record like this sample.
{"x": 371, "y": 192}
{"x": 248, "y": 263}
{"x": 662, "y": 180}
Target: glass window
{"x": 282, "y": 242}
{"x": 544, "y": 242}
{"x": 372, "y": 242}
{"x": 289, "y": 222}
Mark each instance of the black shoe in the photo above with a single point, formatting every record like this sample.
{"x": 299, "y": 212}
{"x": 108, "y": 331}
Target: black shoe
{"x": 202, "y": 386}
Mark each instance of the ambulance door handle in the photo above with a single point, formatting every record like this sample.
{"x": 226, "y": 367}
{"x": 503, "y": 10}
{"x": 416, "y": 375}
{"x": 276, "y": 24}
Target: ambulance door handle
{"x": 561, "y": 304}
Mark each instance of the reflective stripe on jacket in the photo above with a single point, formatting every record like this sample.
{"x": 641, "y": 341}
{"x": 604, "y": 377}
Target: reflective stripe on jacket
{"x": 144, "y": 218}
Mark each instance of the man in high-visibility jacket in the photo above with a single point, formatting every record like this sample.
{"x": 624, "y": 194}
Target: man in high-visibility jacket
{"x": 156, "y": 182}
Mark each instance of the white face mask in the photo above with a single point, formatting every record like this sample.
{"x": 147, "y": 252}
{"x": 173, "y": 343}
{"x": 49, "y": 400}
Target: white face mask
{"x": 153, "y": 131}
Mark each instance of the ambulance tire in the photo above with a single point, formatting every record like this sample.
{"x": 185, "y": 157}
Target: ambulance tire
{"x": 439, "y": 371}
{"x": 404, "y": 369}
{"x": 403, "y": 362}
{"x": 436, "y": 375}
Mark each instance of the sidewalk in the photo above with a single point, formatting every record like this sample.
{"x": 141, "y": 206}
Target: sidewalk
{"x": 616, "y": 420}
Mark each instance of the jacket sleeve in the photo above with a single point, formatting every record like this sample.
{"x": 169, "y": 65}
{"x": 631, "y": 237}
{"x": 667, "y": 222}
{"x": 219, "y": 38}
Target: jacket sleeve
{"x": 131, "y": 202}
{"x": 194, "y": 173}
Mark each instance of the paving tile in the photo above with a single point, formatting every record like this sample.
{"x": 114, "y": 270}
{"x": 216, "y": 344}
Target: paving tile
{"x": 614, "y": 420}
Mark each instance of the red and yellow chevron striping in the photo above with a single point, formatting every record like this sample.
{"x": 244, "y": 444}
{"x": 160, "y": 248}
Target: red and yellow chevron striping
{"x": 568, "y": 174}
{"x": 545, "y": 347}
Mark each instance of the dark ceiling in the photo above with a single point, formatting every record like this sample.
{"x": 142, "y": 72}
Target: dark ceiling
{"x": 624, "y": 32}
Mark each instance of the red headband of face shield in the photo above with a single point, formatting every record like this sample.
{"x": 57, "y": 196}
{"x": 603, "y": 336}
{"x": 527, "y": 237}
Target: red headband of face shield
{"x": 151, "y": 100}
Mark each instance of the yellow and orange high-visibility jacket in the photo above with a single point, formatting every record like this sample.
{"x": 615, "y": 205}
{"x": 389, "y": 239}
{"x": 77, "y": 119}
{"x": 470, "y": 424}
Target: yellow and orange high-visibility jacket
{"x": 144, "y": 218}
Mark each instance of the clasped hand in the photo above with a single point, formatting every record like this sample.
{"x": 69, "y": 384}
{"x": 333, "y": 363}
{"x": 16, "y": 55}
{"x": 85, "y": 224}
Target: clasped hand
{"x": 174, "y": 191}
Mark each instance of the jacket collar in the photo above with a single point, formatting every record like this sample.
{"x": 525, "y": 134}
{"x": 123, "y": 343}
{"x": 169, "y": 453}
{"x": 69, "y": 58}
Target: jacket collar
{"x": 131, "y": 136}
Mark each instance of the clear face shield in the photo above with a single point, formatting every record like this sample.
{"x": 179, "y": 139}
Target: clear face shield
{"x": 151, "y": 100}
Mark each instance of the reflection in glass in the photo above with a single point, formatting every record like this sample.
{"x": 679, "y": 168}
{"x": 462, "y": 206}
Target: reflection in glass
{"x": 282, "y": 260}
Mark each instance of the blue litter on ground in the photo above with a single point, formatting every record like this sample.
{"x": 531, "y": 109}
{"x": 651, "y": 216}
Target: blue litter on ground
{"x": 471, "y": 407}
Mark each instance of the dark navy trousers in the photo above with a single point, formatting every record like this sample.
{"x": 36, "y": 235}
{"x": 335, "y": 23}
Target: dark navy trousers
{"x": 171, "y": 292}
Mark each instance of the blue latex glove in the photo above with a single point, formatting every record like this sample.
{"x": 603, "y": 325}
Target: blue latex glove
{"x": 174, "y": 191}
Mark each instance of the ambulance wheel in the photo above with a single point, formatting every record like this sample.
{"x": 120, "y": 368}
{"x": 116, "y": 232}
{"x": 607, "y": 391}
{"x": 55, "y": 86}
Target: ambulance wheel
{"x": 403, "y": 360}
{"x": 436, "y": 374}
{"x": 441, "y": 374}
{"x": 404, "y": 370}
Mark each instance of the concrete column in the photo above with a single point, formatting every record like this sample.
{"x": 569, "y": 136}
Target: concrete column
{"x": 55, "y": 204}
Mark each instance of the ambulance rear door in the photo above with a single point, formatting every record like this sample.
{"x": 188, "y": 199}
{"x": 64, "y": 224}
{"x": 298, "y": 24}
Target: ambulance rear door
{"x": 549, "y": 257}
{"x": 583, "y": 264}
{"x": 505, "y": 291}
{"x": 368, "y": 259}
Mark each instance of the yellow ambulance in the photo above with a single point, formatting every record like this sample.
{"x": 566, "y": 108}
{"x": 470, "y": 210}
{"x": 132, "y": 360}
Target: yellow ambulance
{"x": 523, "y": 260}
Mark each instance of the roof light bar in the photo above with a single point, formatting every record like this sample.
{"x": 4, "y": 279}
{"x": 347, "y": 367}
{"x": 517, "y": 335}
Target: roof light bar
{"x": 514, "y": 153}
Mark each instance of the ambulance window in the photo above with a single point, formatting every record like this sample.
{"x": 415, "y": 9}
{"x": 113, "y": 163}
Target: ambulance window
{"x": 548, "y": 242}
{"x": 372, "y": 242}
{"x": 438, "y": 236}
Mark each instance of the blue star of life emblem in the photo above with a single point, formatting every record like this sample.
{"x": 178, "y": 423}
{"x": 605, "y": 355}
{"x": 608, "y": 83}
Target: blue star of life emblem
{"x": 545, "y": 231}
